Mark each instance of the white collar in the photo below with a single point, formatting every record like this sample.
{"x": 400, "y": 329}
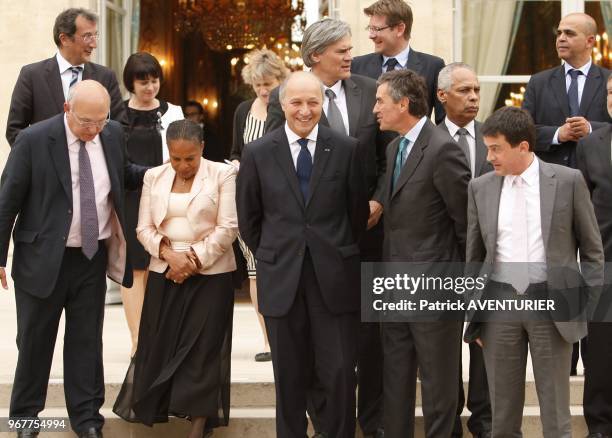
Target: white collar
{"x": 336, "y": 88}
{"x": 453, "y": 128}
{"x": 531, "y": 175}
{"x": 65, "y": 65}
{"x": 292, "y": 137}
{"x": 413, "y": 134}
{"x": 401, "y": 57}
{"x": 584, "y": 69}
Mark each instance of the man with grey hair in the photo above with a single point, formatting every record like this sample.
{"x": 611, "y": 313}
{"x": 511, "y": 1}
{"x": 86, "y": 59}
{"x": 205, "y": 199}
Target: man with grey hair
{"x": 302, "y": 209}
{"x": 42, "y": 87}
{"x": 425, "y": 222}
{"x": 348, "y": 102}
{"x": 459, "y": 93}
{"x": 64, "y": 182}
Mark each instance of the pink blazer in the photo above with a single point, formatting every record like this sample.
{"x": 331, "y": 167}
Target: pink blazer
{"x": 211, "y": 213}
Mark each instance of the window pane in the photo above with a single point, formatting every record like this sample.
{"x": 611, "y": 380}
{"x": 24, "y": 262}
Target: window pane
{"x": 601, "y": 11}
{"x": 510, "y": 37}
{"x": 113, "y": 35}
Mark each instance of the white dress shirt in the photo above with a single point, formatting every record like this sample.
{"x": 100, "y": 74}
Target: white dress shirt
{"x": 102, "y": 187}
{"x": 581, "y": 81}
{"x": 295, "y": 147}
{"x": 471, "y": 139}
{"x": 66, "y": 73}
{"x": 535, "y": 243}
{"x": 401, "y": 58}
{"x": 340, "y": 99}
{"x": 412, "y": 135}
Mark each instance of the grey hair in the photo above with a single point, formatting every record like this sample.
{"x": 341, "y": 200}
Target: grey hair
{"x": 445, "y": 81}
{"x": 66, "y": 22}
{"x": 184, "y": 129}
{"x": 321, "y": 34}
{"x": 283, "y": 86}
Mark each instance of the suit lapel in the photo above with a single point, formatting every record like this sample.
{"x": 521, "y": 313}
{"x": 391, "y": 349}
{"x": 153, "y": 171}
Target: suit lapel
{"x": 548, "y": 192}
{"x": 54, "y": 82}
{"x": 592, "y": 84}
{"x": 113, "y": 170}
{"x": 374, "y": 66}
{"x": 353, "y": 105}
{"x": 199, "y": 180}
{"x": 285, "y": 161}
{"x": 87, "y": 71}
{"x": 493, "y": 194}
{"x": 557, "y": 82}
{"x": 603, "y": 148}
{"x": 414, "y": 61}
{"x": 163, "y": 186}
{"x": 322, "y": 153}
{"x": 58, "y": 149}
{"x": 481, "y": 150}
{"x": 414, "y": 158}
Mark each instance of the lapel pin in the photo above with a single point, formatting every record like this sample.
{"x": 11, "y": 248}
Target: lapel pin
{"x": 326, "y": 149}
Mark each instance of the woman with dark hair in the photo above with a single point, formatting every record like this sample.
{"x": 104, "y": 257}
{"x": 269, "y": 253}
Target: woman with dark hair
{"x": 187, "y": 222}
{"x": 148, "y": 118}
{"x": 264, "y": 72}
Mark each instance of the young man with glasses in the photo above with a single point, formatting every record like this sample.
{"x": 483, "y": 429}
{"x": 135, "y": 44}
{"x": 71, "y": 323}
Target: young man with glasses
{"x": 389, "y": 29}
{"x": 42, "y": 87}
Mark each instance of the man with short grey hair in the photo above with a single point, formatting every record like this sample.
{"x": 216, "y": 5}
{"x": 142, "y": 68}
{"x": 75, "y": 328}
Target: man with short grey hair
{"x": 42, "y": 87}
{"x": 459, "y": 93}
{"x": 347, "y": 109}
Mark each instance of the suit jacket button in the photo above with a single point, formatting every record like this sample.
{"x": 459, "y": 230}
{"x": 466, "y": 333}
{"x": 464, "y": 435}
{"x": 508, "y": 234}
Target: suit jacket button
{"x": 300, "y": 253}
{"x": 69, "y": 211}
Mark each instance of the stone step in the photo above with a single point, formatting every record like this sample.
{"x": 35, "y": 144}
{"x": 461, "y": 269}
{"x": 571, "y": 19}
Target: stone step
{"x": 259, "y": 423}
{"x": 258, "y": 394}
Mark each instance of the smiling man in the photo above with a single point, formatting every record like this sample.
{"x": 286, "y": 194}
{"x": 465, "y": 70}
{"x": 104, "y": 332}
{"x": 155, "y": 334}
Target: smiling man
{"x": 390, "y": 28}
{"x": 42, "y": 87}
{"x": 568, "y": 102}
{"x": 302, "y": 209}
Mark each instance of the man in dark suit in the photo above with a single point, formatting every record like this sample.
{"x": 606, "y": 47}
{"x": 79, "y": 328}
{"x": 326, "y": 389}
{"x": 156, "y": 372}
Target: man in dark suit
{"x": 64, "y": 181}
{"x": 568, "y": 102}
{"x": 594, "y": 159}
{"x": 389, "y": 29}
{"x": 425, "y": 221}
{"x": 459, "y": 93}
{"x": 326, "y": 48}
{"x": 526, "y": 222}
{"x": 302, "y": 216}
{"x": 42, "y": 87}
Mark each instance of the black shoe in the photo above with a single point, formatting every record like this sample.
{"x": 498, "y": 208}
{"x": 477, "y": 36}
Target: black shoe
{"x": 264, "y": 357}
{"x": 27, "y": 433}
{"x": 598, "y": 435}
{"x": 92, "y": 432}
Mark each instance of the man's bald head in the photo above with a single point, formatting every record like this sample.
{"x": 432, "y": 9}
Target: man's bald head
{"x": 576, "y": 38}
{"x": 87, "y": 109}
{"x": 301, "y": 97}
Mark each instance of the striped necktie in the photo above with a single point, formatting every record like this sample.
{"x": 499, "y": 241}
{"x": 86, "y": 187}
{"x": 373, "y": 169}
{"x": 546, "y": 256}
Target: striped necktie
{"x": 75, "y": 75}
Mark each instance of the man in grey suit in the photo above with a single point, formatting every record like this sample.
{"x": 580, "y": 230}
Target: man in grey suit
{"x": 389, "y": 28}
{"x": 532, "y": 216}
{"x": 347, "y": 109}
{"x": 425, "y": 221}
{"x": 42, "y": 87}
{"x": 594, "y": 159}
{"x": 459, "y": 93}
{"x": 568, "y": 102}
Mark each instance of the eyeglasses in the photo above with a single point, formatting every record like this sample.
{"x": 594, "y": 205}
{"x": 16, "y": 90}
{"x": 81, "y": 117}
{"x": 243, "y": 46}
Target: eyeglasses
{"x": 89, "y": 37}
{"x": 375, "y": 29}
{"x": 89, "y": 123}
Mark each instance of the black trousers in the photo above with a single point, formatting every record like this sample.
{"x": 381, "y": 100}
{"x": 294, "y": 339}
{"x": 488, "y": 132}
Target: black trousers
{"x": 478, "y": 400}
{"x": 308, "y": 343}
{"x": 597, "y": 382}
{"x": 80, "y": 292}
{"x": 435, "y": 349}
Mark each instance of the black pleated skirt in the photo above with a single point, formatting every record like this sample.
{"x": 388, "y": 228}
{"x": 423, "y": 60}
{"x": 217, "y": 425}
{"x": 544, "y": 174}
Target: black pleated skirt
{"x": 182, "y": 365}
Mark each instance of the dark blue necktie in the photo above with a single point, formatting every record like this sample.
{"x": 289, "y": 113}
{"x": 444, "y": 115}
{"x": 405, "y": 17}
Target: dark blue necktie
{"x": 572, "y": 93}
{"x": 391, "y": 64}
{"x": 75, "y": 75}
{"x": 304, "y": 167}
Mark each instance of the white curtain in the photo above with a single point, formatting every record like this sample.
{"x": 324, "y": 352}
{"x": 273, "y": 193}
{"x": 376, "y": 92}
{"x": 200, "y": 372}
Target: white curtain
{"x": 489, "y": 29}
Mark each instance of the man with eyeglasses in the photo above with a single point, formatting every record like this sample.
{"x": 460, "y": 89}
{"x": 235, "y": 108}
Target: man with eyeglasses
{"x": 389, "y": 29}
{"x": 42, "y": 87}
{"x": 64, "y": 182}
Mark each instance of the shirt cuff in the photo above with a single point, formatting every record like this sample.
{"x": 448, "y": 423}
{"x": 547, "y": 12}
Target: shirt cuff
{"x": 555, "y": 139}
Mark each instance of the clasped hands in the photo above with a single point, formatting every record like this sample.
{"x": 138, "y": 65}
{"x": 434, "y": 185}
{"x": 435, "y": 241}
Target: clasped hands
{"x": 182, "y": 264}
{"x": 574, "y": 129}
